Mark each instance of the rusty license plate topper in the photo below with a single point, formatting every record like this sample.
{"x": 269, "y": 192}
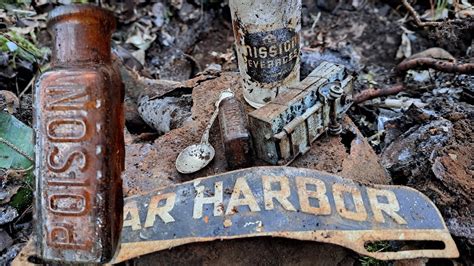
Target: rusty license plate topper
{"x": 283, "y": 202}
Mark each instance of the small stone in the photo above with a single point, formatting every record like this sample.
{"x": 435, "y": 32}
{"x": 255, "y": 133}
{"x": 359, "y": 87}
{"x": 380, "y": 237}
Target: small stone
{"x": 11, "y": 253}
{"x": 5, "y": 240}
{"x": 7, "y": 214}
{"x": 159, "y": 11}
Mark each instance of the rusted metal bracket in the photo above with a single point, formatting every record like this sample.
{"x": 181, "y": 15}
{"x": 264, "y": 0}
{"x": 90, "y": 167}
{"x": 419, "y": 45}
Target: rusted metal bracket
{"x": 286, "y": 127}
{"x": 282, "y": 202}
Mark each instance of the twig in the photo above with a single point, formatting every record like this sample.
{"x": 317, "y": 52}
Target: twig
{"x": 195, "y": 62}
{"x": 16, "y": 86}
{"x": 27, "y": 87}
{"x": 376, "y": 135}
{"x": 440, "y": 65}
{"x": 316, "y": 20}
{"x": 26, "y": 12}
{"x": 415, "y": 15}
{"x": 20, "y": 171}
{"x": 372, "y": 93}
{"x": 27, "y": 210}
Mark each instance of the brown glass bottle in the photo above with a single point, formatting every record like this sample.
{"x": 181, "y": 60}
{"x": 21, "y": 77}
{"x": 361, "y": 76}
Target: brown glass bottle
{"x": 79, "y": 124}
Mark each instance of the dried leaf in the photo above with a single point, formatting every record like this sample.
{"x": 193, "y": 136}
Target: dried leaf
{"x": 404, "y": 51}
{"x": 436, "y": 53}
{"x": 141, "y": 37}
{"x": 8, "y": 102}
{"x": 8, "y": 193}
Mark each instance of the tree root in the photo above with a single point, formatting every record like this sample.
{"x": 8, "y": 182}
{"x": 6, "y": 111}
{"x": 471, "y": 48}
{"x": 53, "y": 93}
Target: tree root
{"x": 373, "y": 93}
{"x": 418, "y": 20}
{"x": 440, "y": 65}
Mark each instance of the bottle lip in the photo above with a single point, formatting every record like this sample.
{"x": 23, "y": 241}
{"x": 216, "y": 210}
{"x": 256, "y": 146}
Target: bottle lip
{"x": 82, "y": 12}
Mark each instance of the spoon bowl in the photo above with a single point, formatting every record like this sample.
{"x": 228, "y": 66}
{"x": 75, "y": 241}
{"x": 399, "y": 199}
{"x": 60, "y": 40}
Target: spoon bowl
{"x": 194, "y": 158}
{"x": 198, "y": 156}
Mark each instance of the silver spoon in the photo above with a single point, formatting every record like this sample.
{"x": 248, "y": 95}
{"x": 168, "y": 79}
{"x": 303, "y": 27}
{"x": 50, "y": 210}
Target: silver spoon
{"x": 198, "y": 156}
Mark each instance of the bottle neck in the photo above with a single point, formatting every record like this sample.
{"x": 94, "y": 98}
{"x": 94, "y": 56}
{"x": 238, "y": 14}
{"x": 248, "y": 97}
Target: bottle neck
{"x": 81, "y": 37}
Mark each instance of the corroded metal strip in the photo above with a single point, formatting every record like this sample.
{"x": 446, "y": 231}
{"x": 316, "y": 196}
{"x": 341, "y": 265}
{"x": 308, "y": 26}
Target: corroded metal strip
{"x": 283, "y": 202}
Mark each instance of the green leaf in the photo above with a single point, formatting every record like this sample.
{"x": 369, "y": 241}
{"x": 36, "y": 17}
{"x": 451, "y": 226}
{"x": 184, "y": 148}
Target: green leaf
{"x": 16, "y": 143}
{"x": 19, "y": 45}
{"x": 22, "y": 199}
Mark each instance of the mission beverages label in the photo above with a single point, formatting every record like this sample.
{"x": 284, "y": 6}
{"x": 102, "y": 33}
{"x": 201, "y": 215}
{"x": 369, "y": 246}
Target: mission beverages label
{"x": 271, "y": 56}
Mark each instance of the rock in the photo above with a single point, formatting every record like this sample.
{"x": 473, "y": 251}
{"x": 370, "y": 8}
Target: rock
{"x": 344, "y": 55}
{"x": 159, "y": 14}
{"x": 11, "y": 253}
{"x": 177, "y": 3}
{"x": 461, "y": 228}
{"x": 5, "y": 240}
{"x": 408, "y": 157}
{"x": 189, "y": 13}
{"x": 3, "y": 59}
{"x": 411, "y": 117}
{"x": 213, "y": 68}
{"x": 7, "y": 214}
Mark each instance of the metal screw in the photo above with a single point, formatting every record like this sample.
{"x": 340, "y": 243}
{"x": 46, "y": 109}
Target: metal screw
{"x": 335, "y": 92}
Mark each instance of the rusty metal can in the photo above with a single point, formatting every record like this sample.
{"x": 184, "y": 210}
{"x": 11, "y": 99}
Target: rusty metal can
{"x": 235, "y": 135}
{"x": 267, "y": 38}
{"x": 79, "y": 123}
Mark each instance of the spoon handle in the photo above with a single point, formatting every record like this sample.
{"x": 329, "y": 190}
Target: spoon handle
{"x": 225, "y": 94}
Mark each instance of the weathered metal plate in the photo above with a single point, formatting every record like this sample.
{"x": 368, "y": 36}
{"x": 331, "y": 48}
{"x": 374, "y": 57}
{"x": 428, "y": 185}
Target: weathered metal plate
{"x": 291, "y": 112}
{"x": 283, "y": 202}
